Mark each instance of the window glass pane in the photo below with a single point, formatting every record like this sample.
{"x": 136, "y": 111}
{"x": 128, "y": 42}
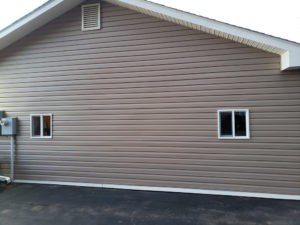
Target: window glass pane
{"x": 240, "y": 123}
{"x": 226, "y": 123}
{"x": 36, "y": 126}
{"x": 47, "y": 125}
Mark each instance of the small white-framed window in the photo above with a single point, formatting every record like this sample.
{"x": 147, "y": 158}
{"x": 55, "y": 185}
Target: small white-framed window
{"x": 233, "y": 124}
{"x": 41, "y": 125}
{"x": 90, "y": 17}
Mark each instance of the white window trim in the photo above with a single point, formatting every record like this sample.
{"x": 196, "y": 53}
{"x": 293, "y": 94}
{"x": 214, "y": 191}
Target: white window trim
{"x": 233, "y": 124}
{"x": 42, "y": 125}
{"x": 99, "y": 17}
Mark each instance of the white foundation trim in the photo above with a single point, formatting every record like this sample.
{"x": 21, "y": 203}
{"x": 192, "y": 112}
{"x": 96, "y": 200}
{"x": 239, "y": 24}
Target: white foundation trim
{"x": 167, "y": 189}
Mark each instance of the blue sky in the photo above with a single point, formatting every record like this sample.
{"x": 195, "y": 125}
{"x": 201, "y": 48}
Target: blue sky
{"x": 275, "y": 17}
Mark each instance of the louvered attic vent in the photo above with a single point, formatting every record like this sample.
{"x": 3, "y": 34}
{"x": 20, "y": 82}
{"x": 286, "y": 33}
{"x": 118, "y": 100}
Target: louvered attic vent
{"x": 90, "y": 17}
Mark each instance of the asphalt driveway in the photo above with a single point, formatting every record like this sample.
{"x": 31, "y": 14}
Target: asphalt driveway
{"x": 24, "y": 204}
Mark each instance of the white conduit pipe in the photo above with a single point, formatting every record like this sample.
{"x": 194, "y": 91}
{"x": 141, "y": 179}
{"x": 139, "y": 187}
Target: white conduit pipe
{"x": 12, "y": 162}
{"x": 12, "y": 158}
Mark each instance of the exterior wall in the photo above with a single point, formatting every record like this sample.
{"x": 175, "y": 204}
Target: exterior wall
{"x": 136, "y": 102}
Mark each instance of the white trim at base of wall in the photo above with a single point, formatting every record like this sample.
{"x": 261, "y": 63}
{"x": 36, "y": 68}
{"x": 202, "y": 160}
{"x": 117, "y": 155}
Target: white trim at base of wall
{"x": 167, "y": 189}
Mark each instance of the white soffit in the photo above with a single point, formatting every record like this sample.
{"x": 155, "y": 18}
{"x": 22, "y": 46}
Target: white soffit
{"x": 34, "y": 20}
{"x": 288, "y": 50}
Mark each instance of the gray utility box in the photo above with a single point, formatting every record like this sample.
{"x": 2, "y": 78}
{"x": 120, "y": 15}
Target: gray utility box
{"x": 8, "y": 126}
{"x": 1, "y": 116}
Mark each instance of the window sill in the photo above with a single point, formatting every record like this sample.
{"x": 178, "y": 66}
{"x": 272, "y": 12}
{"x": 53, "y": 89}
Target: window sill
{"x": 242, "y": 137}
{"x": 50, "y": 137}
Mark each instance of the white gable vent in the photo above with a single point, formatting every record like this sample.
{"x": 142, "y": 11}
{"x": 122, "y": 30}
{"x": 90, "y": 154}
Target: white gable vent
{"x": 90, "y": 17}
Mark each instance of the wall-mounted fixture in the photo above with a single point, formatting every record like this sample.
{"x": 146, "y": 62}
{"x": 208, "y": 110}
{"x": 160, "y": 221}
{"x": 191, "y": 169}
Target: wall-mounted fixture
{"x": 1, "y": 116}
{"x": 90, "y": 16}
{"x": 8, "y": 127}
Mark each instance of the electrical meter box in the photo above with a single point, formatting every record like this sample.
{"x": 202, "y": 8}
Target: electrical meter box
{"x": 1, "y": 116}
{"x": 8, "y": 126}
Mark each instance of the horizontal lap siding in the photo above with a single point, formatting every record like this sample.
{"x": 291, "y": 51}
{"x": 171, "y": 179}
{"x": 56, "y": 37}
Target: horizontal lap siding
{"x": 135, "y": 103}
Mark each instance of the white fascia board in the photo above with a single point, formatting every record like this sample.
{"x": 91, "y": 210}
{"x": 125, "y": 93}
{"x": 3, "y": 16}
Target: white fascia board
{"x": 289, "y": 51}
{"x": 34, "y": 20}
{"x": 290, "y": 59}
{"x": 29, "y": 18}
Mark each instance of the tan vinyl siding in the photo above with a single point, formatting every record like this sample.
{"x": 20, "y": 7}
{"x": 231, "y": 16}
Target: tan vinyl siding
{"x": 136, "y": 103}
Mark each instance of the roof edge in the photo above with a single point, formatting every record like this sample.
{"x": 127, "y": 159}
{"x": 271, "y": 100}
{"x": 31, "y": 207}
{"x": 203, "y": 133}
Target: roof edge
{"x": 34, "y": 20}
{"x": 288, "y": 50}
{"x": 290, "y": 60}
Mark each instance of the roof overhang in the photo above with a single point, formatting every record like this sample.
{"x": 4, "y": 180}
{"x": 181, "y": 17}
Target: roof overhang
{"x": 34, "y": 20}
{"x": 288, "y": 50}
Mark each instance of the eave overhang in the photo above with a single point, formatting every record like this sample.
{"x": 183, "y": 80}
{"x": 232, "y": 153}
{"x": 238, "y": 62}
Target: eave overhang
{"x": 289, "y": 51}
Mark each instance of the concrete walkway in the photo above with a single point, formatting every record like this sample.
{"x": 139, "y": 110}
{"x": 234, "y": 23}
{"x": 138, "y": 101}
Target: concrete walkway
{"x": 63, "y": 205}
